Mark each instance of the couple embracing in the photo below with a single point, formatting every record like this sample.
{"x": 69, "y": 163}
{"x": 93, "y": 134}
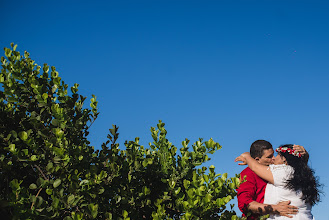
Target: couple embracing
{"x": 283, "y": 186}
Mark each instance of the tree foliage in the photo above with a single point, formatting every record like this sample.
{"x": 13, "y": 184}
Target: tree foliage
{"x": 48, "y": 168}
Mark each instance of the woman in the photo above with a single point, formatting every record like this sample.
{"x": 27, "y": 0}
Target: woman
{"x": 289, "y": 178}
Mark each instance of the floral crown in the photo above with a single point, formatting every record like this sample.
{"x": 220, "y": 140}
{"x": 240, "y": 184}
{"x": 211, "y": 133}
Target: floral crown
{"x": 289, "y": 150}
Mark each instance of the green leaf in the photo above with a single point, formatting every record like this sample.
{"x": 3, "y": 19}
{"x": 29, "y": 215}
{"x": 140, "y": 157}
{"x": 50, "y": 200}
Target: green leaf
{"x": 198, "y": 192}
{"x": 172, "y": 183}
{"x": 57, "y": 183}
{"x": 44, "y": 96}
{"x": 12, "y": 148}
{"x": 61, "y": 192}
{"x": 186, "y": 183}
{"x": 39, "y": 201}
{"x": 34, "y": 158}
{"x": 101, "y": 190}
{"x": 22, "y": 135}
{"x": 70, "y": 199}
{"x": 219, "y": 202}
{"x": 49, "y": 166}
{"x": 207, "y": 198}
{"x": 108, "y": 216}
{"x": 49, "y": 191}
{"x": 186, "y": 204}
{"x": 54, "y": 73}
{"x": 33, "y": 186}
{"x": 212, "y": 168}
{"x": 84, "y": 182}
{"x": 227, "y": 198}
{"x": 94, "y": 213}
{"x": 55, "y": 202}
{"x": 191, "y": 192}
{"x": 25, "y": 152}
{"x": 177, "y": 190}
{"x": 55, "y": 122}
{"x": 146, "y": 190}
{"x": 224, "y": 176}
{"x": 206, "y": 178}
{"x": 55, "y": 87}
{"x": 93, "y": 209}
{"x": 26, "y": 54}
{"x": 8, "y": 52}
{"x": 12, "y": 99}
{"x": 202, "y": 188}
{"x": 45, "y": 68}
{"x": 14, "y": 184}
{"x": 124, "y": 213}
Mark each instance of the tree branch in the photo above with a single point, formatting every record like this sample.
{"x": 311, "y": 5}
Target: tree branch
{"x": 36, "y": 198}
{"x": 44, "y": 176}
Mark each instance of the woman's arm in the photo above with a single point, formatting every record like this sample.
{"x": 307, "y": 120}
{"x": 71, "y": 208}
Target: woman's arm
{"x": 261, "y": 170}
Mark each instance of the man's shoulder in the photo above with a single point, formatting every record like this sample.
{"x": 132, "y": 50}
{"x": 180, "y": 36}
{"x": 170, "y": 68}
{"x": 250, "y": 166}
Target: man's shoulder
{"x": 248, "y": 171}
{"x": 250, "y": 175}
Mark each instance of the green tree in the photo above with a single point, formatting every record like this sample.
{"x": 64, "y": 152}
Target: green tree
{"x": 49, "y": 169}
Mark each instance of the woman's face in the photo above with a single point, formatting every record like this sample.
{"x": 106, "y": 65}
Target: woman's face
{"x": 278, "y": 159}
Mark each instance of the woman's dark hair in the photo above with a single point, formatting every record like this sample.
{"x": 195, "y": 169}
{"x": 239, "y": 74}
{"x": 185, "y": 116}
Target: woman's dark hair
{"x": 303, "y": 178}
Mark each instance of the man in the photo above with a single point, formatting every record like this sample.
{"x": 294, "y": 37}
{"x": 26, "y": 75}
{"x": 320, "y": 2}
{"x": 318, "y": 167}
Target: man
{"x": 251, "y": 192}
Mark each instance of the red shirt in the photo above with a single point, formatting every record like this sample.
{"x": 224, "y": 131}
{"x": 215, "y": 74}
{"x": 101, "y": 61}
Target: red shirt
{"x": 253, "y": 189}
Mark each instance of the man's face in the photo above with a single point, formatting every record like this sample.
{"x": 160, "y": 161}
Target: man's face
{"x": 267, "y": 157}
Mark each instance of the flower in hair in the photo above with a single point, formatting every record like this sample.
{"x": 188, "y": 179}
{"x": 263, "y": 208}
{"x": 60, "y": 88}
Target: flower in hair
{"x": 289, "y": 150}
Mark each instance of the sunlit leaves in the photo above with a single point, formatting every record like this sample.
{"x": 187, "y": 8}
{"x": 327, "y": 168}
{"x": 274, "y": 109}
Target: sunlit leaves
{"x": 52, "y": 171}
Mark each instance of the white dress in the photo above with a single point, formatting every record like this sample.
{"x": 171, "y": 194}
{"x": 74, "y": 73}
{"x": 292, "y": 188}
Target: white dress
{"x": 277, "y": 192}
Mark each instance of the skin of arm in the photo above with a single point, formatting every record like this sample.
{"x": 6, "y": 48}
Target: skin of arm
{"x": 261, "y": 170}
{"x": 282, "y": 208}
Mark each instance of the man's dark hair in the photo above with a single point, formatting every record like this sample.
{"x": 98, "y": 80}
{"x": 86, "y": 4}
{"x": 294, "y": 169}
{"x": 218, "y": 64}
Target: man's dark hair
{"x": 257, "y": 148}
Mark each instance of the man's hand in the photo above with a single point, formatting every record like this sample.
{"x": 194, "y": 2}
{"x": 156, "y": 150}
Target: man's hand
{"x": 284, "y": 209}
{"x": 302, "y": 151}
{"x": 299, "y": 149}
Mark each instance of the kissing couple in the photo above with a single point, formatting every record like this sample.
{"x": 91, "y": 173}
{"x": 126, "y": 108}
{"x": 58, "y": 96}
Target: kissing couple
{"x": 283, "y": 186}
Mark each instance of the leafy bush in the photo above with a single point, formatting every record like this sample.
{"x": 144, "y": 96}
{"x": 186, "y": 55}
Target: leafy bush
{"x": 48, "y": 169}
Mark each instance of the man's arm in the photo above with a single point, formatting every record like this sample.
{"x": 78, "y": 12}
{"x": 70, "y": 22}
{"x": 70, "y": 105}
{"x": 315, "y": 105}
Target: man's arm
{"x": 282, "y": 208}
{"x": 247, "y": 204}
{"x": 246, "y": 191}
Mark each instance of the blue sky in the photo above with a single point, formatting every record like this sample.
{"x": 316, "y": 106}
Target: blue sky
{"x": 236, "y": 71}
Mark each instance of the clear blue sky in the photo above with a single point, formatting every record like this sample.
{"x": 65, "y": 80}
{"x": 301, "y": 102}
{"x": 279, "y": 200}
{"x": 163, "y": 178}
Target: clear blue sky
{"x": 235, "y": 71}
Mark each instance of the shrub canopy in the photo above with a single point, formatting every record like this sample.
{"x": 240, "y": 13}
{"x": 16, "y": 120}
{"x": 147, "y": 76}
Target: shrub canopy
{"x": 48, "y": 169}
